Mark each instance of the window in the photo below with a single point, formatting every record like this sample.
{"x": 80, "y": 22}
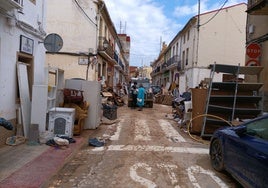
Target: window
{"x": 187, "y": 54}
{"x": 183, "y": 57}
{"x": 258, "y": 129}
{"x": 188, "y": 35}
{"x": 173, "y": 51}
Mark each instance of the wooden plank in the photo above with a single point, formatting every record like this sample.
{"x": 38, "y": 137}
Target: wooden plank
{"x": 107, "y": 94}
{"x": 24, "y": 97}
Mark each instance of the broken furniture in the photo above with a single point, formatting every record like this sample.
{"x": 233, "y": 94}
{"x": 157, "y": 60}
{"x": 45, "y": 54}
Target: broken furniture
{"x": 233, "y": 98}
{"x": 81, "y": 111}
{"x": 61, "y": 121}
{"x": 74, "y": 99}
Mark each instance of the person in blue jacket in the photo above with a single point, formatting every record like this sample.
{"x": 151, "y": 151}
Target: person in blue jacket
{"x": 140, "y": 97}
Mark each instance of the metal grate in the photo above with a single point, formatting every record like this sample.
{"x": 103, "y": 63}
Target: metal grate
{"x": 59, "y": 126}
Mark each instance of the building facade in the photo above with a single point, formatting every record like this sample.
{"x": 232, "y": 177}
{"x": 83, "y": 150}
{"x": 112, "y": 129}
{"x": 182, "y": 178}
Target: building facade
{"x": 157, "y": 68}
{"x": 91, "y": 47}
{"x": 22, "y": 31}
{"x": 257, "y": 33}
{"x": 204, "y": 41}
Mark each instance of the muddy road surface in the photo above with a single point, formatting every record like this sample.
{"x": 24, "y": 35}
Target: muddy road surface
{"x": 142, "y": 149}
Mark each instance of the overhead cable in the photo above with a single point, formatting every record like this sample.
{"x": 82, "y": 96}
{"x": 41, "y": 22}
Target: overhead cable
{"x": 215, "y": 14}
{"x": 85, "y": 13}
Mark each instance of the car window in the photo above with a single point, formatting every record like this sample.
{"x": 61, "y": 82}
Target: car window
{"x": 258, "y": 128}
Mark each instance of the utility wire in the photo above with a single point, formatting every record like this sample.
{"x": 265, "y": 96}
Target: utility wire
{"x": 85, "y": 13}
{"x": 214, "y": 14}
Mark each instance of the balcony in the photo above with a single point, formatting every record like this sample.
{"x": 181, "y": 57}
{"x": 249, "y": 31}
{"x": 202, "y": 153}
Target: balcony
{"x": 156, "y": 71}
{"x": 172, "y": 62}
{"x": 164, "y": 67}
{"x": 121, "y": 64}
{"x": 10, "y": 4}
{"x": 257, "y": 7}
{"x": 105, "y": 52}
{"x": 119, "y": 61}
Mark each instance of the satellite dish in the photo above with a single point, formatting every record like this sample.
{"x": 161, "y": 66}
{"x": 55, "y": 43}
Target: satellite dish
{"x": 53, "y": 42}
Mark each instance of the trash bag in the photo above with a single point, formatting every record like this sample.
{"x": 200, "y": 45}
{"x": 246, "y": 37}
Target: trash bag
{"x": 6, "y": 124}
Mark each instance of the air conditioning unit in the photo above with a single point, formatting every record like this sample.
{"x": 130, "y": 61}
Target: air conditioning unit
{"x": 61, "y": 121}
{"x": 10, "y": 4}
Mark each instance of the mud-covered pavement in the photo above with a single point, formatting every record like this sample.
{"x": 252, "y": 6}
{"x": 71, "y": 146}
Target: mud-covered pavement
{"x": 142, "y": 149}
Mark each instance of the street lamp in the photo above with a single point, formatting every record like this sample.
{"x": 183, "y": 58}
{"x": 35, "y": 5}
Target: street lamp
{"x": 105, "y": 45}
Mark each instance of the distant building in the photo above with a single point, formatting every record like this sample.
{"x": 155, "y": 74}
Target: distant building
{"x": 145, "y": 72}
{"x": 133, "y": 72}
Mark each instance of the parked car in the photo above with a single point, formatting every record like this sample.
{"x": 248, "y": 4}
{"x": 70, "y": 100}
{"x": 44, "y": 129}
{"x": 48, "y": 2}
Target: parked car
{"x": 243, "y": 152}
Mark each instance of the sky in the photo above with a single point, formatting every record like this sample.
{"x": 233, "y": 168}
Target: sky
{"x": 149, "y": 23}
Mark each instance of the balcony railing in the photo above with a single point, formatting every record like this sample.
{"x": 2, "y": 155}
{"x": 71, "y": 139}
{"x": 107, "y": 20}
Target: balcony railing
{"x": 10, "y": 4}
{"x": 119, "y": 61}
{"x": 109, "y": 50}
{"x": 164, "y": 66}
{"x": 173, "y": 60}
{"x": 258, "y": 7}
{"x": 156, "y": 70}
{"x": 116, "y": 58}
{"x": 121, "y": 64}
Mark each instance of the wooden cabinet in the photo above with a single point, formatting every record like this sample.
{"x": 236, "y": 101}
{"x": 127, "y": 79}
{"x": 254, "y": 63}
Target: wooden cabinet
{"x": 232, "y": 100}
{"x": 198, "y": 105}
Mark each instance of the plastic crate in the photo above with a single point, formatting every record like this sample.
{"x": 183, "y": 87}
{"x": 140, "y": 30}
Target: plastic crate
{"x": 110, "y": 112}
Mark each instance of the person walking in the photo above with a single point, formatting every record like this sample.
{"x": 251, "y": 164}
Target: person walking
{"x": 134, "y": 93}
{"x": 140, "y": 97}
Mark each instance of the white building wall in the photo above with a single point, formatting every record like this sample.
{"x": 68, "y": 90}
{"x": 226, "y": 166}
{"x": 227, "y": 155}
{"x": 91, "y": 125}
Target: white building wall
{"x": 11, "y": 28}
{"x": 222, "y": 40}
{"x": 182, "y": 83}
{"x": 78, "y": 30}
{"x": 65, "y": 18}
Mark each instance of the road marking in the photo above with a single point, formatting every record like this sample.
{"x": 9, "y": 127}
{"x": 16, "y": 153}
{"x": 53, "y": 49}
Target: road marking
{"x": 170, "y": 170}
{"x": 142, "y": 131}
{"x": 191, "y": 171}
{"x": 197, "y": 170}
{"x": 171, "y": 133}
{"x": 143, "y": 181}
{"x": 147, "y": 148}
{"x": 118, "y": 131}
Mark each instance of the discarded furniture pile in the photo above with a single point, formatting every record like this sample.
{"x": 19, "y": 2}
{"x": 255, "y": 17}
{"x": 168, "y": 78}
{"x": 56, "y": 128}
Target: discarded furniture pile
{"x": 165, "y": 99}
{"x": 75, "y": 99}
{"x": 110, "y": 101}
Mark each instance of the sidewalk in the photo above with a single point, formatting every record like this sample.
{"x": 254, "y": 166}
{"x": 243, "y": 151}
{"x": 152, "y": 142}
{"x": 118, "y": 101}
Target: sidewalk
{"x": 31, "y": 166}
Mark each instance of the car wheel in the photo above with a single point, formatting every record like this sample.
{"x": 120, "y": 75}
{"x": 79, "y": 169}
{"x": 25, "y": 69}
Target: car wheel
{"x": 216, "y": 155}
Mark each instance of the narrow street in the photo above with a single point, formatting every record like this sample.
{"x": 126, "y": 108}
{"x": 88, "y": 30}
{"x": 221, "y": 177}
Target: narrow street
{"x": 142, "y": 149}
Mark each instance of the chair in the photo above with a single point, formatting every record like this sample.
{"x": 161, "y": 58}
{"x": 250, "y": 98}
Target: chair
{"x": 81, "y": 112}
